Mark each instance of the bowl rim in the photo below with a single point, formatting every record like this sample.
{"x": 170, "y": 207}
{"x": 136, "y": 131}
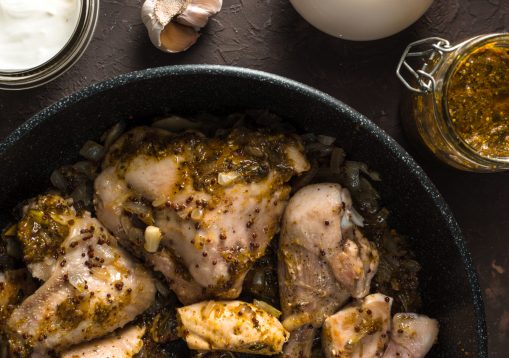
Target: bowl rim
{"x": 325, "y": 99}
{"x": 63, "y": 60}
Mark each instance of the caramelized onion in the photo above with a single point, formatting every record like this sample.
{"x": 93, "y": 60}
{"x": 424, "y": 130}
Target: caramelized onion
{"x": 92, "y": 151}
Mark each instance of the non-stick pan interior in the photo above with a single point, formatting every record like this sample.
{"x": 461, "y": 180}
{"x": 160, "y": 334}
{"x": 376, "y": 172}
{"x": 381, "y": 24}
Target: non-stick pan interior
{"x": 54, "y": 136}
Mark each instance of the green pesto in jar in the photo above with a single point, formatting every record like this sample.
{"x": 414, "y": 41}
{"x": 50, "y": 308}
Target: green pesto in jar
{"x": 478, "y": 100}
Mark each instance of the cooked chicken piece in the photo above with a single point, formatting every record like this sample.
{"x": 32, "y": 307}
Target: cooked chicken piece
{"x": 216, "y": 201}
{"x": 122, "y": 344}
{"x": 412, "y": 336}
{"x": 15, "y": 285}
{"x": 233, "y": 326}
{"x": 94, "y": 287}
{"x": 323, "y": 260}
{"x": 362, "y": 330}
{"x": 111, "y": 193}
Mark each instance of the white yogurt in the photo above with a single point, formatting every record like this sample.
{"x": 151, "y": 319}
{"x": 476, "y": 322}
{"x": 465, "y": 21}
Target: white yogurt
{"x": 34, "y": 31}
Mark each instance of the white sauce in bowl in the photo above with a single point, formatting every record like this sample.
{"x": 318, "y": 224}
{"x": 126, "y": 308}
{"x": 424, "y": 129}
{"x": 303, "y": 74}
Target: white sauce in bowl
{"x": 34, "y": 31}
{"x": 361, "y": 20}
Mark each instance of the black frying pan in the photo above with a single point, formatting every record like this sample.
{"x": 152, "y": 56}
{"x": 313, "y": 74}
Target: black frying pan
{"x": 54, "y": 136}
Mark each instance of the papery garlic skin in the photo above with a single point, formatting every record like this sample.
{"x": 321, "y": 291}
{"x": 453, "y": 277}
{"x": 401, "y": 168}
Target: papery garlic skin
{"x": 156, "y": 14}
{"x": 198, "y": 12}
{"x": 173, "y": 25}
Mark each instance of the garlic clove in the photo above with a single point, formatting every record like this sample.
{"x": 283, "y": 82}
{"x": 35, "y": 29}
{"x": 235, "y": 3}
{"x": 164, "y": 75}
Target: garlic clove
{"x": 212, "y": 6}
{"x": 177, "y": 38}
{"x": 153, "y": 238}
{"x": 225, "y": 179}
{"x": 157, "y": 14}
{"x": 173, "y": 25}
{"x": 197, "y": 12}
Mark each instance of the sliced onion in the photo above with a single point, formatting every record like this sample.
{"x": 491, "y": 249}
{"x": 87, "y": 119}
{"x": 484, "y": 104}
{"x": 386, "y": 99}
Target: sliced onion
{"x": 208, "y": 309}
{"x": 363, "y": 167}
{"x": 175, "y": 124}
{"x": 273, "y": 311}
{"x": 136, "y": 208}
{"x": 112, "y": 134}
{"x": 352, "y": 174}
{"x": 357, "y": 218}
{"x": 92, "y": 151}
{"x": 337, "y": 159}
{"x": 322, "y": 150}
{"x": 134, "y": 234}
{"x": 370, "y": 173}
{"x": 325, "y": 140}
{"x": 58, "y": 180}
{"x": 298, "y": 320}
{"x": 142, "y": 211}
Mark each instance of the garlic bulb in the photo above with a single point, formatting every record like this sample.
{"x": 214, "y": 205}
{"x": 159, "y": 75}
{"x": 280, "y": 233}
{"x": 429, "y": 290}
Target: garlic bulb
{"x": 173, "y": 25}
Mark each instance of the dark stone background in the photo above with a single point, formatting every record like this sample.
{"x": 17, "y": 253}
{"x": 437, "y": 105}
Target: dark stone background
{"x": 269, "y": 35}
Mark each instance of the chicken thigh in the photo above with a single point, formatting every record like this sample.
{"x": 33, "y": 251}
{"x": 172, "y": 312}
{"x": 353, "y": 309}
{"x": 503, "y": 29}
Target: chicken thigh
{"x": 215, "y": 201}
{"x": 323, "y": 260}
{"x": 92, "y": 288}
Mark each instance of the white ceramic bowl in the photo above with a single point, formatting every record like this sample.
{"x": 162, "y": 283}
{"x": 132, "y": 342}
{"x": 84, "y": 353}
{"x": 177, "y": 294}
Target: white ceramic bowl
{"x": 361, "y": 20}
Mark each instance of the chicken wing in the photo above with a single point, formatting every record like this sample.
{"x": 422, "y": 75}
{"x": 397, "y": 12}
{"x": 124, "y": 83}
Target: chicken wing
{"x": 234, "y": 326}
{"x": 323, "y": 260}
{"x": 93, "y": 287}
{"x": 412, "y": 336}
{"x": 125, "y": 343}
{"x": 216, "y": 201}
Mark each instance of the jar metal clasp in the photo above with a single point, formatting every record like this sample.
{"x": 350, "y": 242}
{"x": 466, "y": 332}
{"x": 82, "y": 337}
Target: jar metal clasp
{"x": 431, "y": 51}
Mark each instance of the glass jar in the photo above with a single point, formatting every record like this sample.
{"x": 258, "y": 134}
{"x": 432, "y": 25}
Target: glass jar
{"x": 63, "y": 60}
{"x": 425, "y": 111}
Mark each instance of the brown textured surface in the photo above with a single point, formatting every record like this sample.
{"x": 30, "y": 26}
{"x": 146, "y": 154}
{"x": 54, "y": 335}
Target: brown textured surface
{"x": 269, "y": 35}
